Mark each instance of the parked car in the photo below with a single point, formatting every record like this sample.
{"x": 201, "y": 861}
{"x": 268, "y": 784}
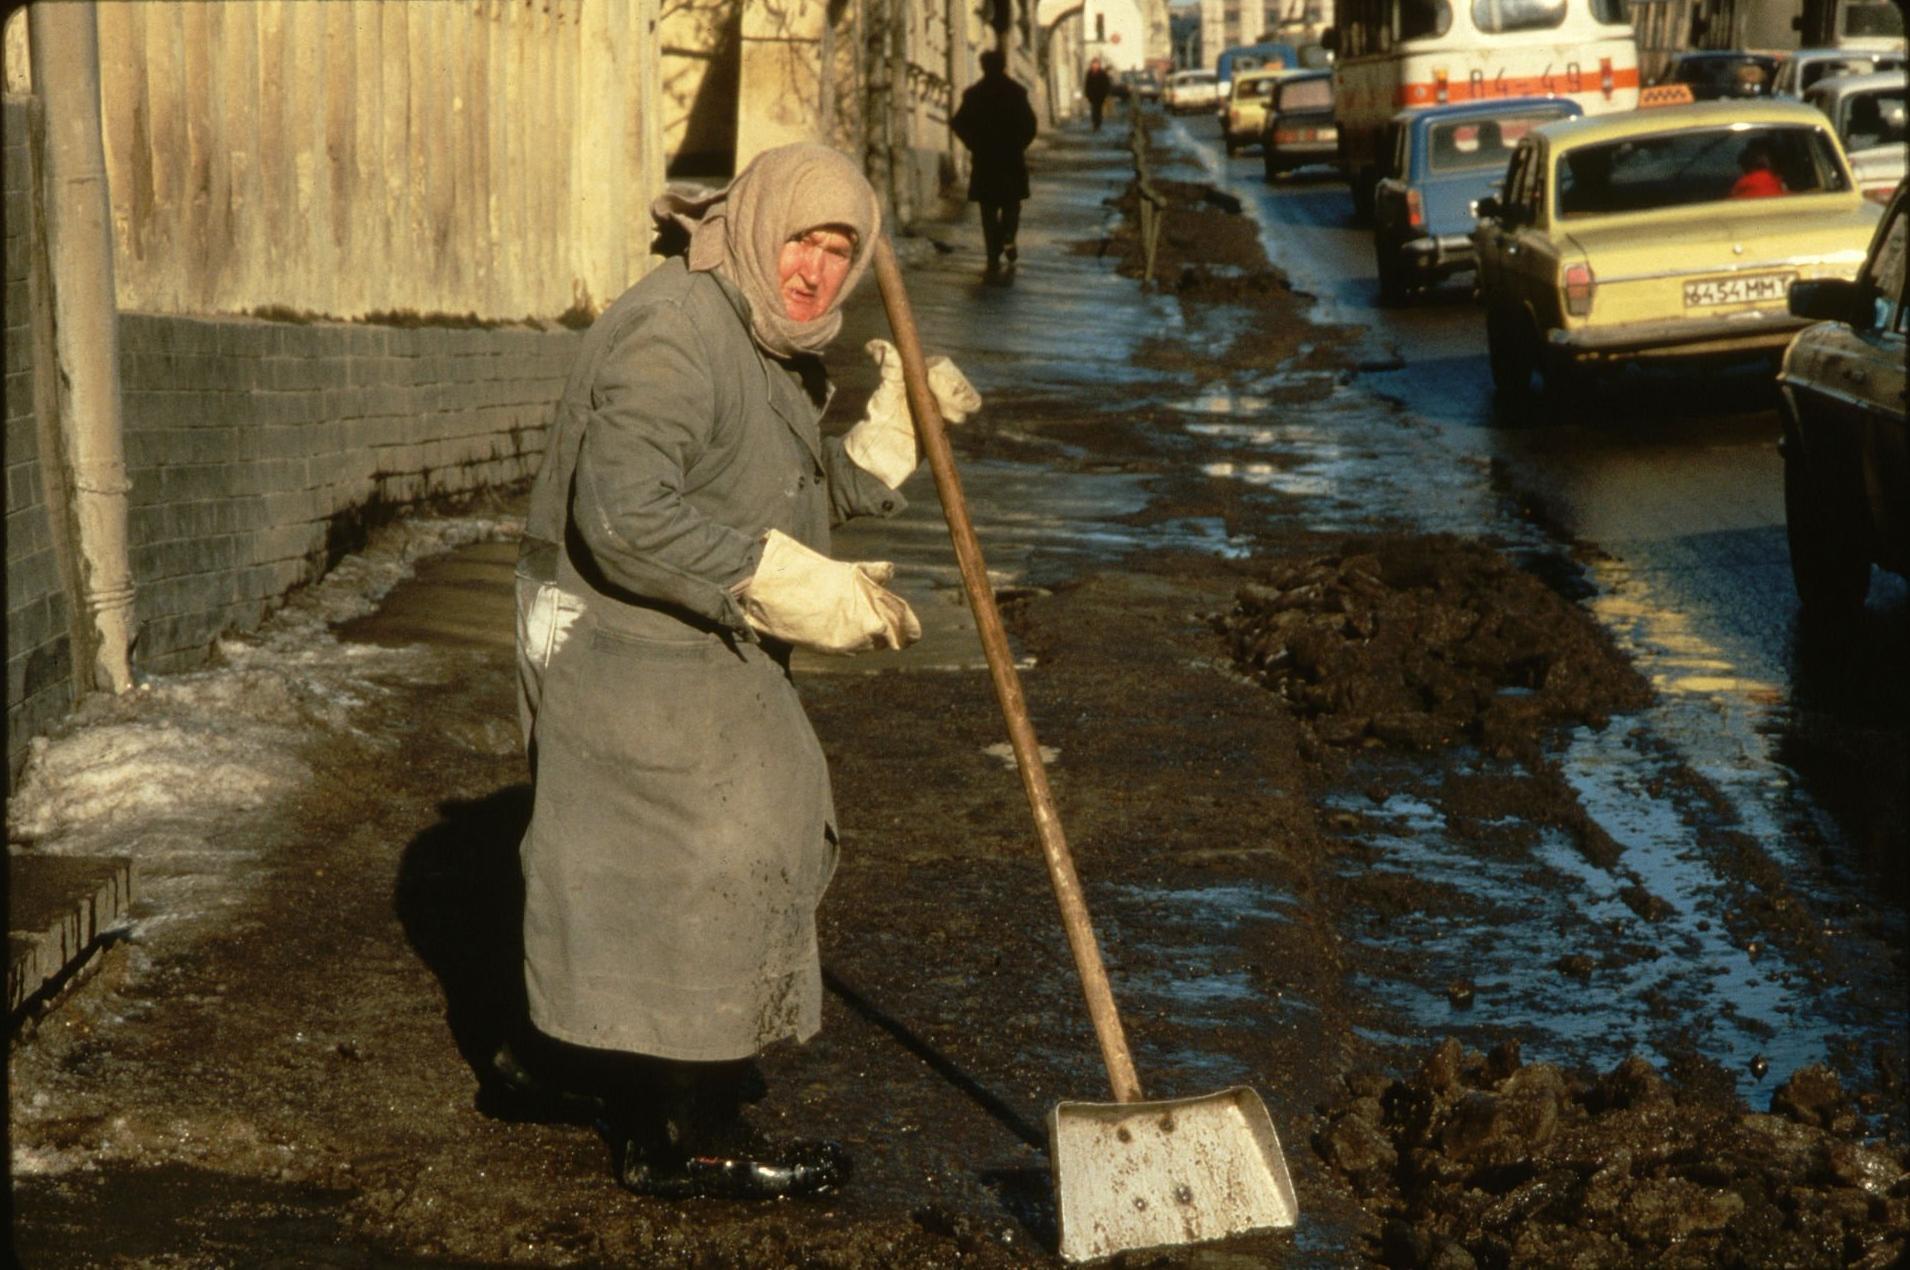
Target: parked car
{"x": 1718, "y": 73}
{"x": 1803, "y": 67}
{"x": 1300, "y": 128}
{"x": 1868, "y": 113}
{"x": 1841, "y": 388}
{"x": 1142, "y": 85}
{"x": 1244, "y": 117}
{"x": 1635, "y": 235}
{"x": 1189, "y": 91}
{"x": 1444, "y": 160}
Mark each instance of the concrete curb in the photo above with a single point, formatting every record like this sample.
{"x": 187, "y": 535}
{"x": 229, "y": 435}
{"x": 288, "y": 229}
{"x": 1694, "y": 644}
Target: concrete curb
{"x": 59, "y": 908}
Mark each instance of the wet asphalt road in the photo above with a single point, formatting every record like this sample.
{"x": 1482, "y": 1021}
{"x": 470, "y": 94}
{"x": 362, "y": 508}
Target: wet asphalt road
{"x": 1665, "y": 488}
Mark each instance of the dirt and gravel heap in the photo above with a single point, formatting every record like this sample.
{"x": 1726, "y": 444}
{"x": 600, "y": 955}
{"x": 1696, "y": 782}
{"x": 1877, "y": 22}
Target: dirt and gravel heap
{"x": 1423, "y": 642}
{"x": 1480, "y": 1160}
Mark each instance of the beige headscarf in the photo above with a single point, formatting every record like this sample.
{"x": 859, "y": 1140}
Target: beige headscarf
{"x": 739, "y": 231}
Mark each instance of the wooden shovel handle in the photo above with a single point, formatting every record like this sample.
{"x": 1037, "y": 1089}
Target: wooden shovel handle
{"x": 1001, "y": 667}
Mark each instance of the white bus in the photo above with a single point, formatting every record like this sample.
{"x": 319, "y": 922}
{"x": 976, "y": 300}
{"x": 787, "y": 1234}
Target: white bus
{"x": 1394, "y": 55}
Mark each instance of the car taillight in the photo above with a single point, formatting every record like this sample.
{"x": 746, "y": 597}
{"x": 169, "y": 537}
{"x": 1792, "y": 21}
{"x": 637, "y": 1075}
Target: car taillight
{"x": 1579, "y": 286}
{"x": 1415, "y": 210}
{"x": 1606, "y": 81}
{"x": 1439, "y": 86}
{"x": 1879, "y": 193}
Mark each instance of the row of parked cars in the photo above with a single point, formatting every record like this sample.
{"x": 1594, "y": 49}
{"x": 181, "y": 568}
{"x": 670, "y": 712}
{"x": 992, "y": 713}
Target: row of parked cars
{"x": 1724, "y": 224}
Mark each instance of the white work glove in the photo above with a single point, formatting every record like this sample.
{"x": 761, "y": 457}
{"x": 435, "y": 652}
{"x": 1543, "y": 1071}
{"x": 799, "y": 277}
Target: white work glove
{"x": 883, "y": 443}
{"x": 805, "y": 598}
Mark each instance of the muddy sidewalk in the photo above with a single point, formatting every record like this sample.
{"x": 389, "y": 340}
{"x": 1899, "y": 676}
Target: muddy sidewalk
{"x": 1311, "y": 743}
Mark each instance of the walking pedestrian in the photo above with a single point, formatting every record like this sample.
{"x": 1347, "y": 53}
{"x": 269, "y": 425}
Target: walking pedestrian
{"x": 997, "y": 125}
{"x": 1096, "y": 87}
{"x": 676, "y": 550}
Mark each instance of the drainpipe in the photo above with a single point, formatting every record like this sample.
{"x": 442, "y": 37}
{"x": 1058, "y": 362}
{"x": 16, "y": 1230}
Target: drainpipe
{"x": 64, "y": 42}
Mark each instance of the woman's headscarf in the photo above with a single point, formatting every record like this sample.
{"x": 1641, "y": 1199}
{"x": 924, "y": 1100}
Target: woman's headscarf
{"x": 739, "y": 231}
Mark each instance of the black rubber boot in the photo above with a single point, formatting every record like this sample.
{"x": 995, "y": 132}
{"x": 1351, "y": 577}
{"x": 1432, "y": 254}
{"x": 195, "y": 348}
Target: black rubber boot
{"x": 681, "y": 1135}
{"x": 526, "y": 1082}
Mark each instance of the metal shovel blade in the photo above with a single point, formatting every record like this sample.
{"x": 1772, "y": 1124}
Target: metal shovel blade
{"x": 1134, "y": 1175}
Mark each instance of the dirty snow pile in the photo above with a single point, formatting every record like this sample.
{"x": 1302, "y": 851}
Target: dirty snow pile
{"x": 169, "y": 772}
{"x": 1483, "y": 1160}
{"x": 1423, "y": 642}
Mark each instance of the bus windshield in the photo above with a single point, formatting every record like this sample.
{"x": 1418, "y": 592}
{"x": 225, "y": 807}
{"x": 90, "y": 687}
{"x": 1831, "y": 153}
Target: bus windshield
{"x": 1876, "y": 18}
{"x": 1253, "y": 57}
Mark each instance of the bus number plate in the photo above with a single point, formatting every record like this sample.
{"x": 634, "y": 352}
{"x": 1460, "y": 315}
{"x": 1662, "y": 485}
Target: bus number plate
{"x": 1741, "y": 289}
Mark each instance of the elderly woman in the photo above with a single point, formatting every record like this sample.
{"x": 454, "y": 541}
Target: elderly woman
{"x": 682, "y": 829}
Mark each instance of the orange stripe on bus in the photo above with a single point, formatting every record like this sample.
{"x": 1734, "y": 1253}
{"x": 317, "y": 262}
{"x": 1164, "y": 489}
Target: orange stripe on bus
{"x": 1590, "y": 80}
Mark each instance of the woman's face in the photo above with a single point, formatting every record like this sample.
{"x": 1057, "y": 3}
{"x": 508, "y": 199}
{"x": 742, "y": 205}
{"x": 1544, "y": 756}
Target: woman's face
{"x": 811, "y": 269}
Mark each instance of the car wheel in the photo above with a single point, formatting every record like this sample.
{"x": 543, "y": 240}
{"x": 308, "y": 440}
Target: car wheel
{"x": 1512, "y": 353}
{"x": 1830, "y": 572}
{"x": 1564, "y": 377}
{"x": 1268, "y": 161}
{"x": 1364, "y": 185}
{"x": 1394, "y": 285}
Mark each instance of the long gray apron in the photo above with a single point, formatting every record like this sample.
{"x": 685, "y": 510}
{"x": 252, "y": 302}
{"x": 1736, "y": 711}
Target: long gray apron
{"x": 682, "y": 831}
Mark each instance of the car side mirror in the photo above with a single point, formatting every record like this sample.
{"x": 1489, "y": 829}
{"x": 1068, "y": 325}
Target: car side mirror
{"x": 1489, "y": 207}
{"x": 1832, "y": 300}
{"x": 1330, "y": 39}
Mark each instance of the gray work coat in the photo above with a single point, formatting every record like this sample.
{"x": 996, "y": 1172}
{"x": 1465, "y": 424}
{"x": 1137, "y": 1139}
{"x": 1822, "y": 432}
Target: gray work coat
{"x": 682, "y": 830}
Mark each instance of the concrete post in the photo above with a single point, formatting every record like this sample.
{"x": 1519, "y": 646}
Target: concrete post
{"x": 64, "y": 44}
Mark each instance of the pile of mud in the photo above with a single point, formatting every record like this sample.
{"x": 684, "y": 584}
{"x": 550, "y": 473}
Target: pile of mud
{"x": 1425, "y": 642}
{"x": 1483, "y": 1161}
{"x": 1206, "y": 249}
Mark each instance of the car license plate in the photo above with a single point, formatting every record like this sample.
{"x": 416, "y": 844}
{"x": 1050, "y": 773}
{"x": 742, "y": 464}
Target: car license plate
{"x": 1738, "y": 289}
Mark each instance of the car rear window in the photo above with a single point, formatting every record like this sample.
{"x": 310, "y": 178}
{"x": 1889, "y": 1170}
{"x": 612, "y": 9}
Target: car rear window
{"x": 1828, "y": 67}
{"x": 1307, "y": 94}
{"x": 1888, "y": 275}
{"x": 1700, "y": 165}
{"x": 1466, "y": 144}
{"x": 1729, "y": 73}
{"x": 1873, "y": 119}
{"x": 1253, "y": 87}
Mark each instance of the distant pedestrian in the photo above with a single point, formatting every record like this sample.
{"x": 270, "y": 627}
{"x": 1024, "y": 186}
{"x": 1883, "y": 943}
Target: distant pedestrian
{"x": 1097, "y": 86}
{"x": 997, "y": 125}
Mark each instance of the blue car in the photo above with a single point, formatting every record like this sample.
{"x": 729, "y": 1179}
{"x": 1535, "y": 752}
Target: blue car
{"x": 1443, "y": 161}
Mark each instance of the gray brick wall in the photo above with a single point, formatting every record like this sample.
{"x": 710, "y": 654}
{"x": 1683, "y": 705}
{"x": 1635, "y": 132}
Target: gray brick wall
{"x": 255, "y": 448}
{"x": 257, "y": 451}
{"x": 39, "y": 651}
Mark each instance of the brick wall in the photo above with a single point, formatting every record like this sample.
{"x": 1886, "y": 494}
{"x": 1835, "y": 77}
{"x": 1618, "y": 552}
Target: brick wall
{"x": 39, "y": 651}
{"x": 258, "y": 452}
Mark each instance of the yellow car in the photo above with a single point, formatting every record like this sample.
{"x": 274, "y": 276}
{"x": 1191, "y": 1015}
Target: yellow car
{"x": 1244, "y": 117}
{"x": 1675, "y": 231}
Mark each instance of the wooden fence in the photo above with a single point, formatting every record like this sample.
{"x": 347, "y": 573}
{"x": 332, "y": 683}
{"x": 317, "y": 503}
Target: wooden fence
{"x": 358, "y": 157}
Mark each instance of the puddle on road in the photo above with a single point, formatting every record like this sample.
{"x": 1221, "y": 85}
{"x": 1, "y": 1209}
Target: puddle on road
{"x": 1348, "y": 465}
{"x": 1192, "y": 931}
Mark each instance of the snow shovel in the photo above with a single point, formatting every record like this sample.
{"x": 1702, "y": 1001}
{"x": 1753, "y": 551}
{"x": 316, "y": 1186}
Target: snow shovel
{"x": 1132, "y": 1173}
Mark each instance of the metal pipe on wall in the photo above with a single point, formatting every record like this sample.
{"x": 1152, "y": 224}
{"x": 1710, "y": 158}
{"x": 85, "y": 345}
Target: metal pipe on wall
{"x": 64, "y": 48}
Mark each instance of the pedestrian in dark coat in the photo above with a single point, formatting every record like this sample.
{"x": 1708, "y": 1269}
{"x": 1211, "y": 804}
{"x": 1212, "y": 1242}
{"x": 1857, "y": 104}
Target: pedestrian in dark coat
{"x": 1096, "y": 88}
{"x": 997, "y": 125}
{"x": 682, "y": 827}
